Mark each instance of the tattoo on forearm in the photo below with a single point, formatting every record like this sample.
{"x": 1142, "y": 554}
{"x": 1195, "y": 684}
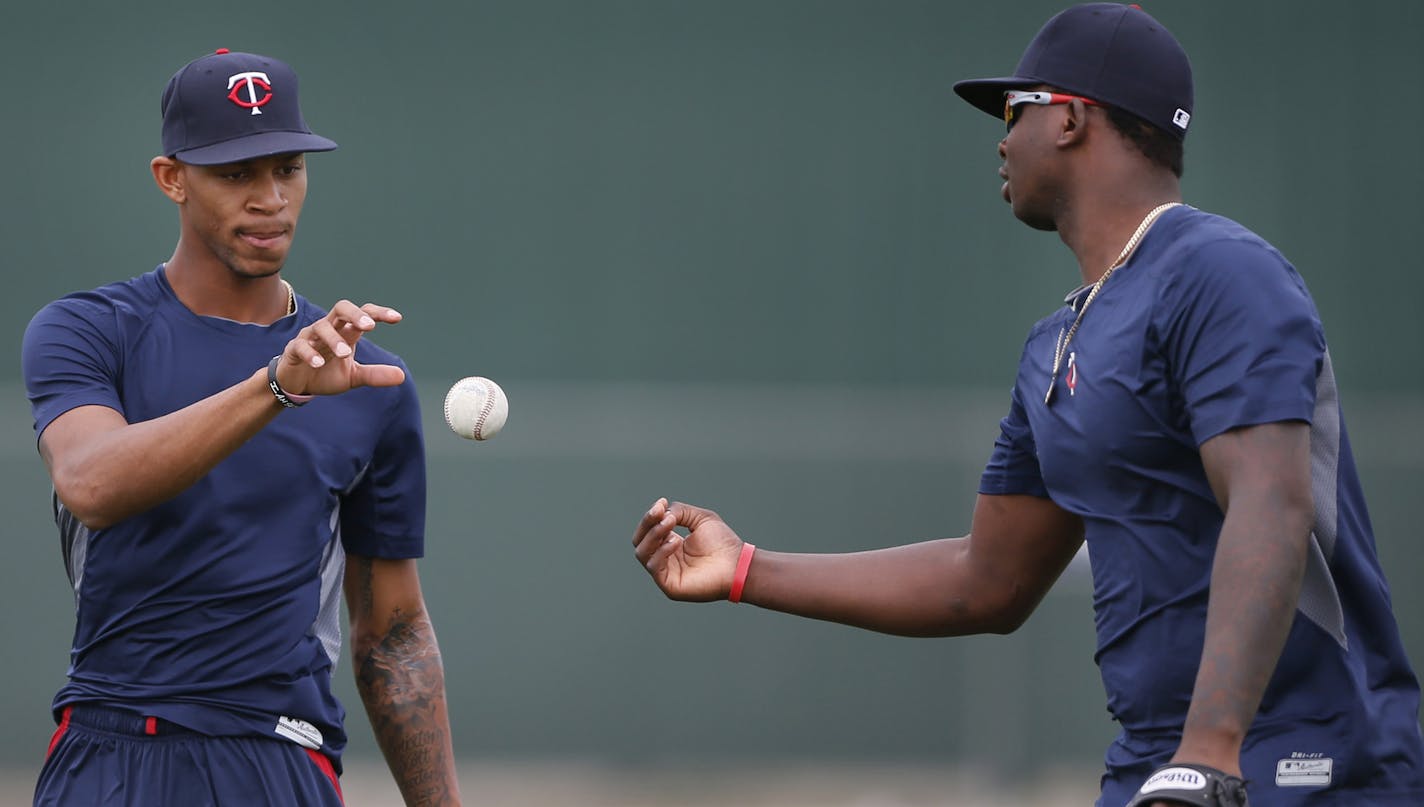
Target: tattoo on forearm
{"x": 402, "y": 684}
{"x": 1255, "y": 587}
{"x": 363, "y": 572}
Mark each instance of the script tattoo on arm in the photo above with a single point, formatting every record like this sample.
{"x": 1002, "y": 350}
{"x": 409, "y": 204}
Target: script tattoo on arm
{"x": 401, "y": 680}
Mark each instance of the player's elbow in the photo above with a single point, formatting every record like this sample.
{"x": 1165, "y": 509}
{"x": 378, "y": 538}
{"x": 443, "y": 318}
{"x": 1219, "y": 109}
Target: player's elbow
{"x": 361, "y": 646}
{"x": 89, "y": 502}
{"x": 365, "y": 642}
{"x": 1010, "y": 616}
{"x": 1008, "y": 611}
{"x": 364, "y": 634}
{"x": 1009, "y": 620}
{"x": 984, "y": 599}
{"x": 979, "y": 613}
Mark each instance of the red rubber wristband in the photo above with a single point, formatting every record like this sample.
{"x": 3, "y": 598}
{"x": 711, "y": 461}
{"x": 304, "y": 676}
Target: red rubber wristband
{"x": 739, "y": 580}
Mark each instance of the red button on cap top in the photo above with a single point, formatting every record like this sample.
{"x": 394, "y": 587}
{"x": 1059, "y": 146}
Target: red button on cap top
{"x": 222, "y": 50}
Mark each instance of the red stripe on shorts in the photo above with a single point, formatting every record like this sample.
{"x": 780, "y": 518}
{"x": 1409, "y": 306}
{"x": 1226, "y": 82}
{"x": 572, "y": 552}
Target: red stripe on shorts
{"x": 325, "y": 765}
{"x": 59, "y": 732}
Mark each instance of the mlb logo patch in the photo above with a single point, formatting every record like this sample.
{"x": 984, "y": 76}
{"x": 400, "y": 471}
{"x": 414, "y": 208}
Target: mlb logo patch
{"x": 1304, "y": 772}
{"x": 1181, "y": 117}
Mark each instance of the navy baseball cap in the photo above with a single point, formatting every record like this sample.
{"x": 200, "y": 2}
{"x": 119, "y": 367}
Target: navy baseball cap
{"x": 228, "y": 107}
{"x": 1114, "y": 54}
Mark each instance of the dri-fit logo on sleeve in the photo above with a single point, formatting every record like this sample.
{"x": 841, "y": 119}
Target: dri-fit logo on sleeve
{"x": 252, "y": 82}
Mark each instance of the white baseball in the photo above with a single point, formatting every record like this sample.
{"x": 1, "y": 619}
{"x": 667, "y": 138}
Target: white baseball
{"x": 475, "y": 408}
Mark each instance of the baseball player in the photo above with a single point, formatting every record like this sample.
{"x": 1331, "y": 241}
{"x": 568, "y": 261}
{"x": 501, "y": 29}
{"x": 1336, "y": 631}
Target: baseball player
{"x": 227, "y": 459}
{"x": 1180, "y": 414}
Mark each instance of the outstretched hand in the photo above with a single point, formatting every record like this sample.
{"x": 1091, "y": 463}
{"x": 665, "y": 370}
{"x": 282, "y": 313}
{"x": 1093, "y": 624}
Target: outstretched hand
{"x": 321, "y": 359}
{"x": 697, "y": 567}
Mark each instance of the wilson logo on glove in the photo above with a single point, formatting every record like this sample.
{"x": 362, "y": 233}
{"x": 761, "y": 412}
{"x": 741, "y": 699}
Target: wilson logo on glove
{"x": 1199, "y": 785}
{"x": 1174, "y": 778}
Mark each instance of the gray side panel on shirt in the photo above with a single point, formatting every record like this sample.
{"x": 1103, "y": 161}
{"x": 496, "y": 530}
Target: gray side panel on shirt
{"x": 1319, "y": 599}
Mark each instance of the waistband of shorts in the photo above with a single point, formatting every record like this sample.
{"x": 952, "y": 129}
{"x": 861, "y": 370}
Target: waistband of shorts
{"x": 122, "y": 721}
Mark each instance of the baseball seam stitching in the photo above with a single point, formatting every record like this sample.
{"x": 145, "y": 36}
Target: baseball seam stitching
{"x": 486, "y": 409}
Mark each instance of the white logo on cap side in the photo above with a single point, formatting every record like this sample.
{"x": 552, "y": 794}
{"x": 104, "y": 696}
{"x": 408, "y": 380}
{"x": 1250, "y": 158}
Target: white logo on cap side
{"x": 1174, "y": 779}
{"x": 1181, "y": 117}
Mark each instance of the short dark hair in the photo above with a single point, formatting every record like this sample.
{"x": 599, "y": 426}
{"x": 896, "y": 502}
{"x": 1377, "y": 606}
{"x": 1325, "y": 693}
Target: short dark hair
{"x": 1162, "y": 148}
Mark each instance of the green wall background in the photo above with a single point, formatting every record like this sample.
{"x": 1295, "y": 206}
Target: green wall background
{"x": 749, "y": 254}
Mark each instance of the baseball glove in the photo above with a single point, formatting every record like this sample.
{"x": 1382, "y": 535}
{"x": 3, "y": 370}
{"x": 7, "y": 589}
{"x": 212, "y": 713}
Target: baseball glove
{"x": 1194, "y": 785}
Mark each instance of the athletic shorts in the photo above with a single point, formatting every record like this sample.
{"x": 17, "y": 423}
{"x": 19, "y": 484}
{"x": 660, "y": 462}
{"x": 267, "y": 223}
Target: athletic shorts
{"x": 113, "y": 758}
{"x": 1342, "y": 774}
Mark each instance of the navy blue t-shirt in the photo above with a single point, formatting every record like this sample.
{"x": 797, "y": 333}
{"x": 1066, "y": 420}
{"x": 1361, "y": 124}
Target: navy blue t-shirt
{"x": 219, "y": 610}
{"x": 1208, "y": 328}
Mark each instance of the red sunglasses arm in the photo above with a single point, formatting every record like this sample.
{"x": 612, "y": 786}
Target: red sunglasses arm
{"x": 1061, "y": 98}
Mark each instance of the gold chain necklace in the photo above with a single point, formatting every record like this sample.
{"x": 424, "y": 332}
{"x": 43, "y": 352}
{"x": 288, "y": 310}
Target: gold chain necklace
{"x": 1064, "y": 337}
{"x": 291, "y": 298}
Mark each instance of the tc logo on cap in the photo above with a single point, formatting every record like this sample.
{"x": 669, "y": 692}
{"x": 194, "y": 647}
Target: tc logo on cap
{"x": 252, "y": 82}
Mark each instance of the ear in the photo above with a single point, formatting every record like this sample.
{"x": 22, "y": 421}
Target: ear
{"x": 1075, "y": 122}
{"x": 168, "y": 174}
